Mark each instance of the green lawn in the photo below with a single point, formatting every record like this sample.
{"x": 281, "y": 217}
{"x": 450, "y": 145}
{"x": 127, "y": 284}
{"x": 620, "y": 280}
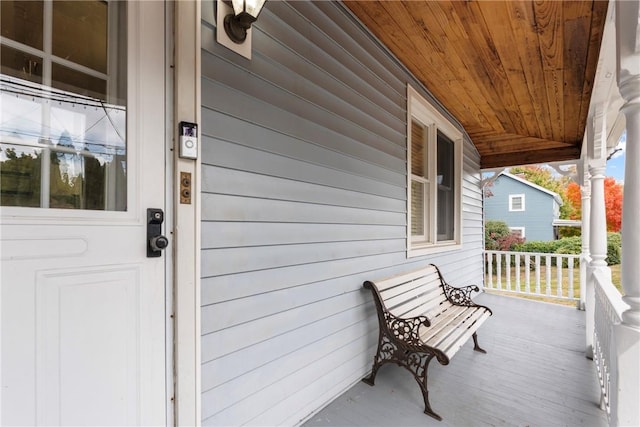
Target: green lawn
{"x": 615, "y": 277}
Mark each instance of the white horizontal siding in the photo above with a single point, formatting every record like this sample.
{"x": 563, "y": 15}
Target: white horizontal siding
{"x": 221, "y": 234}
{"x": 217, "y": 207}
{"x": 303, "y": 199}
{"x": 239, "y": 260}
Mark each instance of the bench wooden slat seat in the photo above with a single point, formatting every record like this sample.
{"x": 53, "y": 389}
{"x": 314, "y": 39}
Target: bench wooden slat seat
{"x": 422, "y": 317}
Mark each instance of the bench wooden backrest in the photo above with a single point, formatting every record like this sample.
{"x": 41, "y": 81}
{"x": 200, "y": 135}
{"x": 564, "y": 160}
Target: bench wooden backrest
{"x": 413, "y": 294}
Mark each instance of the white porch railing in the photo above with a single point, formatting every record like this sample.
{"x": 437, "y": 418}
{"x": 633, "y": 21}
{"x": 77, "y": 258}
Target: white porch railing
{"x": 609, "y": 307}
{"x": 554, "y": 276}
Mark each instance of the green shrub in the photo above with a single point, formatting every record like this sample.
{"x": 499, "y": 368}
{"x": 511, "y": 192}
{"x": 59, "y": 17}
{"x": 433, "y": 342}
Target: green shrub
{"x": 614, "y": 248}
{"x": 569, "y": 245}
{"x": 569, "y": 232}
{"x": 538, "y": 246}
{"x": 573, "y": 245}
{"x": 494, "y": 231}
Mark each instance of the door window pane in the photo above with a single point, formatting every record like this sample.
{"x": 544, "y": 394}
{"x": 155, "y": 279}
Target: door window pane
{"x": 80, "y": 32}
{"x": 22, "y": 21}
{"x": 78, "y": 82}
{"x": 16, "y": 63}
{"x": 63, "y": 129}
{"x": 20, "y": 175}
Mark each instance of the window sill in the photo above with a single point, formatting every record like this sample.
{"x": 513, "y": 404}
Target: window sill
{"x": 426, "y": 249}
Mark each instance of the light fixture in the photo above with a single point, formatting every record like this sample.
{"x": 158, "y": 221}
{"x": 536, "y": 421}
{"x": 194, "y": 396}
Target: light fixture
{"x": 245, "y": 13}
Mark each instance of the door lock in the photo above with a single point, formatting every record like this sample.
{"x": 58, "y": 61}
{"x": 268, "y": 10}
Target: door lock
{"x": 156, "y": 242}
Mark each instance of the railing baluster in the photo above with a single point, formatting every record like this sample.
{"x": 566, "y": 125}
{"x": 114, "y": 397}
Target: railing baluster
{"x": 559, "y": 267}
{"x": 490, "y": 269}
{"x": 570, "y": 279}
{"x": 518, "y": 272}
{"x": 499, "y": 269}
{"x": 537, "y": 274}
{"x": 527, "y": 274}
{"x": 547, "y": 275}
{"x": 508, "y": 270}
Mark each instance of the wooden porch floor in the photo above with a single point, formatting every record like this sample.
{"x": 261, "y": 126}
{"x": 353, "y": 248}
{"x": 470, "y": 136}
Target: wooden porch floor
{"x": 534, "y": 374}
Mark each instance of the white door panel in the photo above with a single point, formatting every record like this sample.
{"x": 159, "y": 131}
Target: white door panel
{"x": 82, "y": 308}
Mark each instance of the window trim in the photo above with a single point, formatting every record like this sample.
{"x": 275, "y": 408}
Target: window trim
{"x": 420, "y": 110}
{"x": 514, "y": 196}
{"x": 520, "y": 229}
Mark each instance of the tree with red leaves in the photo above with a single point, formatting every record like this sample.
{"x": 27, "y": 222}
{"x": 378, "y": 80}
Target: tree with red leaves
{"x": 612, "y": 200}
{"x": 574, "y": 196}
{"x": 613, "y": 203}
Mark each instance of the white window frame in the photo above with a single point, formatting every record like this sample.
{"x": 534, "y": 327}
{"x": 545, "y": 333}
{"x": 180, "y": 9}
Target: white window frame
{"x": 520, "y": 229}
{"x": 420, "y": 110}
{"x": 511, "y": 198}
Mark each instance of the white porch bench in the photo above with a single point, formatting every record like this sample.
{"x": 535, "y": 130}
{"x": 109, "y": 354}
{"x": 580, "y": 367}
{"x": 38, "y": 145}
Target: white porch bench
{"x": 422, "y": 317}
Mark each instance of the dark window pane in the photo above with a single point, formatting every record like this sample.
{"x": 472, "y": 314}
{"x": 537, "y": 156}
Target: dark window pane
{"x": 22, "y": 21}
{"x": 446, "y": 188}
{"x": 77, "y": 82}
{"x": 20, "y": 64}
{"x": 80, "y": 32}
{"x": 445, "y": 161}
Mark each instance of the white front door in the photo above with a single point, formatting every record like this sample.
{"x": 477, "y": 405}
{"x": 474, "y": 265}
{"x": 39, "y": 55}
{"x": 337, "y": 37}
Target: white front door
{"x": 82, "y": 158}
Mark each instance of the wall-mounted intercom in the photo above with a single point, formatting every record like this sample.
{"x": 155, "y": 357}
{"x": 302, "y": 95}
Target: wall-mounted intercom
{"x": 188, "y": 140}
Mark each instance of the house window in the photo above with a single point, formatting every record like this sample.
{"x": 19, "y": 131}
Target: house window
{"x": 434, "y": 184}
{"x": 518, "y": 231}
{"x": 516, "y": 202}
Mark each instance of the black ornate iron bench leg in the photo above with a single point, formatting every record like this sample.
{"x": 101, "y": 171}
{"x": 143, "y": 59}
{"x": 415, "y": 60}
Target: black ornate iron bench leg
{"x": 425, "y": 394}
{"x": 371, "y": 379}
{"x": 377, "y": 362}
{"x": 427, "y": 406}
{"x": 476, "y": 347}
{"x": 418, "y": 364}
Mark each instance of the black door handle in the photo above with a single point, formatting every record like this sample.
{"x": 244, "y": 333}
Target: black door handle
{"x": 156, "y": 242}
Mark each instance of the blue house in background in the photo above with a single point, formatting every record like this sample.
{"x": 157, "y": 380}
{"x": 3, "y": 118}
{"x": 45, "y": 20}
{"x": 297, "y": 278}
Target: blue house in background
{"x": 527, "y": 208}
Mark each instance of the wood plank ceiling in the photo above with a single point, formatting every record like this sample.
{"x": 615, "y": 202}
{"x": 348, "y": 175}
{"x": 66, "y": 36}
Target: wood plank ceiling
{"x": 517, "y": 74}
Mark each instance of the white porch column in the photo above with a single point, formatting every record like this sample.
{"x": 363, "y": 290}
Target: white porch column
{"x": 585, "y": 257}
{"x": 631, "y": 206}
{"x": 625, "y": 410}
{"x": 597, "y": 247}
{"x": 630, "y": 90}
{"x": 598, "y": 218}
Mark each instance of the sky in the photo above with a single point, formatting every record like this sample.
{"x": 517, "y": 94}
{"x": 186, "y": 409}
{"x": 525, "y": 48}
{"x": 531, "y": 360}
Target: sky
{"x": 615, "y": 166}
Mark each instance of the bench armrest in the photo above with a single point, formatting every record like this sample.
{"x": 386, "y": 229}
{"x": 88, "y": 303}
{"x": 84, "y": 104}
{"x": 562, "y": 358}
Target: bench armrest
{"x": 460, "y": 295}
{"x": 406, "y": 329}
